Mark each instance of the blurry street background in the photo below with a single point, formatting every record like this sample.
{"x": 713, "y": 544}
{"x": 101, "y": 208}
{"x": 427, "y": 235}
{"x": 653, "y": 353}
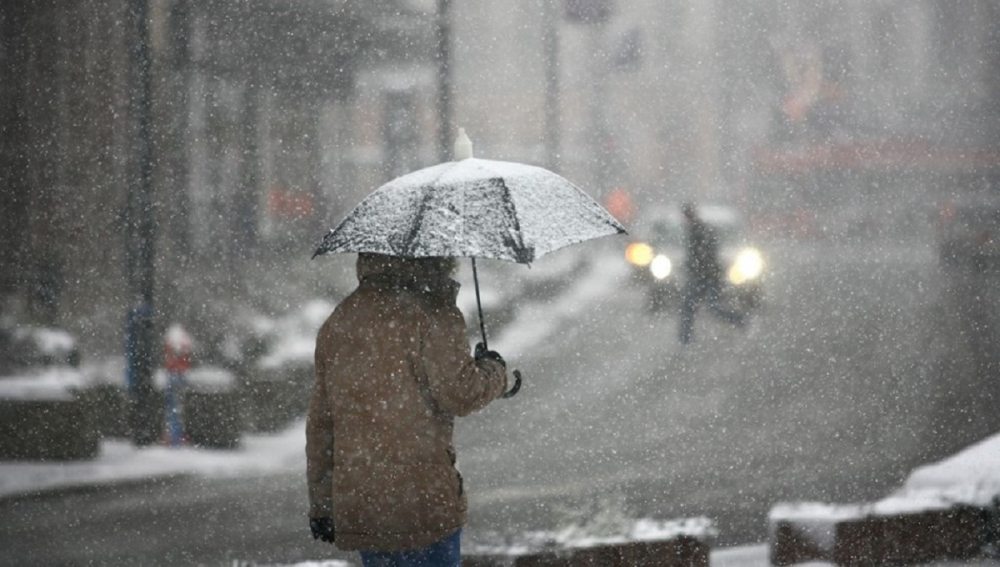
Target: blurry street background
{"x": 186, "y": 157}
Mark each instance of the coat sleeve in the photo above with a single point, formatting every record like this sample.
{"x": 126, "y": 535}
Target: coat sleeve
{"x": 319, "y": 442}
{"x": 458, "y": 383}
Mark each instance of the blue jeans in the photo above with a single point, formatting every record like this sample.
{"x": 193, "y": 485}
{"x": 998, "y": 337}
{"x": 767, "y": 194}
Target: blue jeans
{"x": 445, "y": 553}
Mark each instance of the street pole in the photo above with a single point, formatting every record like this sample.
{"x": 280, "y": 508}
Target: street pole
{"x": 550, "y": 47}
{"x": 705, "y": 99}
{"x": 444, "y": 80}
{"x": 140, "y": 235}
{"x": 600, "y": 133}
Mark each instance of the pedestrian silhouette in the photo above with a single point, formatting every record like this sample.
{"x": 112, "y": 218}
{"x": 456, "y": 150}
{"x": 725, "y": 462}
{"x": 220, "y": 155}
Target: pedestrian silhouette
{"x": 703, "y": 275}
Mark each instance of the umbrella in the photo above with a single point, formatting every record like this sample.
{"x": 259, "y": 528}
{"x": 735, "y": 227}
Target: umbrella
{"x": 474, "y": 208}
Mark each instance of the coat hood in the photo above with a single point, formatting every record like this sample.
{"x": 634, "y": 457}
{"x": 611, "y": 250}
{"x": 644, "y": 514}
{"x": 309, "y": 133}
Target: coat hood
{"x": 419, "y": 274}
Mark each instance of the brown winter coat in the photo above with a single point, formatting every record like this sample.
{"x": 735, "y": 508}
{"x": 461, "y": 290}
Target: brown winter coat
{"x": 393, "y": 370}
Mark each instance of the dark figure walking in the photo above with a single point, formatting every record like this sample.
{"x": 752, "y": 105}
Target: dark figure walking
{"x": 704, "y": 275}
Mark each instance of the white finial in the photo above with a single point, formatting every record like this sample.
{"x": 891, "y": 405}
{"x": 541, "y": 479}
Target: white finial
{"x": 463, "y": 146}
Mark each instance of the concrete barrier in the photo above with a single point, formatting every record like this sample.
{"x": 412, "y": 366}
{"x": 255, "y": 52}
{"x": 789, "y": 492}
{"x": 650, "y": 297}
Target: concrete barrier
{"x": 789, "y": 545}
{"x": 854, "y": 535}
{"x": 47, "y": 430}
{"x": 933, "y": 535}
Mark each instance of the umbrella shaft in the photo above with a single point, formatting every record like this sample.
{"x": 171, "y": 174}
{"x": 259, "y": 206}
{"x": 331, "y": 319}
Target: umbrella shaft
{"x": 479, "y": 305}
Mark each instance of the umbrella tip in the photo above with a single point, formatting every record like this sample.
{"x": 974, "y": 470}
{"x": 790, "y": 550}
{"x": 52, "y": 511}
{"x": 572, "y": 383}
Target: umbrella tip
{"x": 463, "y": 146}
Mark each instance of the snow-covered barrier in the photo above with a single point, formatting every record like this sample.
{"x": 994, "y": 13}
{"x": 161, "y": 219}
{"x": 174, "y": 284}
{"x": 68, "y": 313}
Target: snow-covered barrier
{"x": 675, "y": 543}
{"x": 864, "y": 535}
{"x": 945, "y": 511}
{"x": 932, "y": 535}
{"x": 210, "y": 408}
{"x": 43, "y": 409}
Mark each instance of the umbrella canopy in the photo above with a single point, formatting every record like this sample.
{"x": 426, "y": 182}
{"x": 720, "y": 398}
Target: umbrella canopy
{"x": 472, "y": 208}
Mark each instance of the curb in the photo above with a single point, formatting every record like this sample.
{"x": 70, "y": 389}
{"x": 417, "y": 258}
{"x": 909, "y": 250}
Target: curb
{"x": 684, "y": 551}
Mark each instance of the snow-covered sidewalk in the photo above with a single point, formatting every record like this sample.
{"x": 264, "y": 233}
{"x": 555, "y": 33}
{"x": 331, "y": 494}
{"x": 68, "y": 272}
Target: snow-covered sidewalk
{"x": 119, "y": 461}
{"x": 972, "y": 475}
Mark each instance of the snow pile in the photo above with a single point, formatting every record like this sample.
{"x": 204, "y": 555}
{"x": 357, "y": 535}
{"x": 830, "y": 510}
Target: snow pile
{"x": 204, "y": 379}
{"x": 576, "y": 537}
{"x": 38, "y": 364}
{"x": 43, "y": 384}
{"x": 200, "y": 379}
{"x": 971, "y": 476}
{"x": 54, "y": 342}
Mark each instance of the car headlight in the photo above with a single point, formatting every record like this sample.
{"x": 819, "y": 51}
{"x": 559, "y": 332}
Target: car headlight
{"x": 749, "y": 265}
{"x": 660, "y": 267}
{"x": 639, "y": 254}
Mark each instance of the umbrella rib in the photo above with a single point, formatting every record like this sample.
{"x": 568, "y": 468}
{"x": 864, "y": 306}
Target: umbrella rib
{"x": 524, "y": 255}
{"x": 418, "y": 222}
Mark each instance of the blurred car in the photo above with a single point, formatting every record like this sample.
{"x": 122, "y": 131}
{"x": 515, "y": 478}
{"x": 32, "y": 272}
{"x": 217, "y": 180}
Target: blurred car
{"x": 969, "y": 233}
{"x": 656, "y": 257}
{"x": 44, "y": 413}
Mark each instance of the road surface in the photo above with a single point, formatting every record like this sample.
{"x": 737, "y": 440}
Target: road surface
{"x": 866, "y": 361}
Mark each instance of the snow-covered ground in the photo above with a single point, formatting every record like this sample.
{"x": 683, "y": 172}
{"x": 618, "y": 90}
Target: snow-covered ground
{"x": 969, "y": 476}
{"x": 972, "y": 475}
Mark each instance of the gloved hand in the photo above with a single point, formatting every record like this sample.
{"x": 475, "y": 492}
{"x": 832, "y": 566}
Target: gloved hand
{"x": 481, "y": 353}
{"x": 322, "y": 529}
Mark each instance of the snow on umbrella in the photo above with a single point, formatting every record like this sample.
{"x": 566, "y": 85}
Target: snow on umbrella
{"x": 473, "y": 208}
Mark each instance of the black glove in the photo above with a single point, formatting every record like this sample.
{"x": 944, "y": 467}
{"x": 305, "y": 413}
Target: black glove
{"x": 322, "y": 529}
{"x": 482, "y": 353}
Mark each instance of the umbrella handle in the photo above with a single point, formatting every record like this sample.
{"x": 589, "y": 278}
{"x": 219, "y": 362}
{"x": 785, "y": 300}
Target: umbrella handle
{"x": 517, "y": 386}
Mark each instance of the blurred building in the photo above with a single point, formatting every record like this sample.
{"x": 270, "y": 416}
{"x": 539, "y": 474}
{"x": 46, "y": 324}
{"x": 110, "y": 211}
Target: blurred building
{"x": 877, "y": 113}
{"x": 246, "y": 102}
{"x": 877, "y": 107}
{"x": 270, "y": 120}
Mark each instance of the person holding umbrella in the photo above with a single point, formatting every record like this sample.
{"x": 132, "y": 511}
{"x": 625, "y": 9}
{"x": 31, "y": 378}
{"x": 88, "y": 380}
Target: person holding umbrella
{"x": 393, "y": 371}
{"x": 393, "y": 367}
